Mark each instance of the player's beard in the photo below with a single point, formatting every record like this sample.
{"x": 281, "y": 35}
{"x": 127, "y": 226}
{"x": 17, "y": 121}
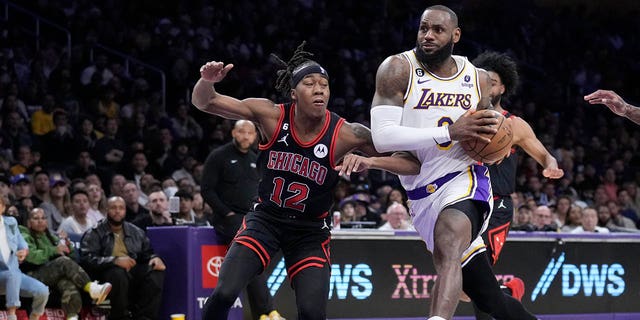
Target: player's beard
{"x": 496, "y": 100}
{"x": 437, "y": 57}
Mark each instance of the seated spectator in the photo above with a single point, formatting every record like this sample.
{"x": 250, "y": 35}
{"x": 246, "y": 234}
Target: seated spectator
{"x": 397, "y": 218}
{"x": 118, "y": 252}
{"x": 41, "y": 186}
{"x": 14, "y": 283}
{"x": 59, "y": 207}
{"x": 617, "y": 218}
{"x": 396, "y": 195}
{"x": 50, "y": 261}
{"x": 78, "y": 223}
{"x": 615, "y": 223}
{"x": 159, "y": 215}
{"x": 574, "y": 219}
{"x": 131, "y": 195}
{"x": 541, "y": 220}
{"x": 185, "y": 214}
{"x": 22, "y": 188}
{"x": 347, "y": 212}
{"x": 589, "y": 222}
{"x": 627, "y": 207}
{"x": 202, "y": 210}
{"x": 563, "y": 205}
{"x": 97, "y": 202}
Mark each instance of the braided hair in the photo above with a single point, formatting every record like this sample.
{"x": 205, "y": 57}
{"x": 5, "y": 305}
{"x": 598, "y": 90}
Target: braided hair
{"x": 299, "y": 61}
{"x": 504, "y": 66}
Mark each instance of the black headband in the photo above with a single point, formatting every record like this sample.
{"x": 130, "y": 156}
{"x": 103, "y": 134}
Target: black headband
{"x": 312, "y": 68}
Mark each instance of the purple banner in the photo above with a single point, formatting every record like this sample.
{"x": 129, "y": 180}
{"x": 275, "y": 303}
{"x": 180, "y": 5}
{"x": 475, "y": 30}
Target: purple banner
{"x": 193, "y": 256}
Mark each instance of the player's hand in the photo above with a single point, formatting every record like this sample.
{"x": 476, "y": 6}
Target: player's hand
{"x": 353, "y": 163}
{"x": 474, "y": 123}
{"x": 214, "y": 71}
{"x": 553, "y": 172}
{"x": 610, "y": 99}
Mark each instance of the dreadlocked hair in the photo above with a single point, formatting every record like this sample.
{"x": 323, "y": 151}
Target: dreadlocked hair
{"x": 283, "y": 83}
{"x": 504, "y": 66}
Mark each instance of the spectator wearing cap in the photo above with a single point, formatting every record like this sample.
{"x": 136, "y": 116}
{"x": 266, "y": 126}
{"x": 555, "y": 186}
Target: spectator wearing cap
{"x": 41, "y": 186}
{"x": 60, "y": 205}
{"x": 57, "y": 145}
{"x": 347, "y": 211}
{"x": 363, "y": 211}
{"x": 22, "y": 187}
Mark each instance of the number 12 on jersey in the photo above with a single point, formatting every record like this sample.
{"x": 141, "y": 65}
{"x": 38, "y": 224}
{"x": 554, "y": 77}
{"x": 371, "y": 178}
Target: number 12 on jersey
{"x": 299, "y": 192}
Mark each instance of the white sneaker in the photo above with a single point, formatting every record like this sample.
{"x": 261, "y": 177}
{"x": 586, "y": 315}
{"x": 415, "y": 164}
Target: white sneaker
{"x": 99, "y": 292}
{"x": 73, "y": 317}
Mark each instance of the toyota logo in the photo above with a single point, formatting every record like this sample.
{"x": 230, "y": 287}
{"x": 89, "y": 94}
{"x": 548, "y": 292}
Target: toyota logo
{"x": 213, "y": 265}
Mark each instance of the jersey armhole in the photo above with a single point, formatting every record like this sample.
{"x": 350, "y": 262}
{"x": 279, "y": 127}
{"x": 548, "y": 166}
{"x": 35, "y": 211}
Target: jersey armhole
{"x": 334, "y": 139}
{"x": 272, "y": 139}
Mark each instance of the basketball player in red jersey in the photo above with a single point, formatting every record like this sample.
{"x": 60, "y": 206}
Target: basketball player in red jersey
{"x": 504, "y": 81}
{"x": 301, "y": 144}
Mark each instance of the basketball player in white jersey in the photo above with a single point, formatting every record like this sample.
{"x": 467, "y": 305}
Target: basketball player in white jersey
{"x": 425, "y": 102}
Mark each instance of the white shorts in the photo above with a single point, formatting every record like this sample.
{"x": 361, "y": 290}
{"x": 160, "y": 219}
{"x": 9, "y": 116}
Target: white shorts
{"x": 471, "y": 184}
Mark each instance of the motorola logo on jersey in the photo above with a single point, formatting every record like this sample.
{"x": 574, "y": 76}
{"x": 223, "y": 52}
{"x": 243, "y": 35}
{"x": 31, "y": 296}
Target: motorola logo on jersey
{"x": 212, "y": 257}
{"x": 320, "y": 151}
{"x": 347, "y": 280}
{"x": 582, "y": 279}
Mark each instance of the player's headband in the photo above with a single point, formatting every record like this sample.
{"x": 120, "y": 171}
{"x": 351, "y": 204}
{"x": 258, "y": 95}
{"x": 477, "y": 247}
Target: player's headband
{"x": 310, "y": 68}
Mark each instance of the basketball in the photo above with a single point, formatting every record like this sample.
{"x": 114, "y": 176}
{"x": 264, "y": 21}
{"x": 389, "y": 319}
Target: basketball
{"x": 494, "y": 151}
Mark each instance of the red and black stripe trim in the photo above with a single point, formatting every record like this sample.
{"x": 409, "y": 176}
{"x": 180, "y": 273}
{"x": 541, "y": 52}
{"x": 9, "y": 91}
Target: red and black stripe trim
{"x": 256, "y": 247}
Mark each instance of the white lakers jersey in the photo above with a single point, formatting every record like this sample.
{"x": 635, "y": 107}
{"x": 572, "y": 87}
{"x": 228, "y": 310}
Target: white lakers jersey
{"x": 431, "y": 101}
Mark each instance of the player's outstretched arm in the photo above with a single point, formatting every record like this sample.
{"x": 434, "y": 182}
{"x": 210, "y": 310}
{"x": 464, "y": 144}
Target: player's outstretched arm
{"x": 355, "y": 136}
{"x": 207, "y": 99}
{"x": 524, "y": 137}
{"x": 615, "y": 103}
{"x": 402, "y": 163}
{"x": 389, "y": 135}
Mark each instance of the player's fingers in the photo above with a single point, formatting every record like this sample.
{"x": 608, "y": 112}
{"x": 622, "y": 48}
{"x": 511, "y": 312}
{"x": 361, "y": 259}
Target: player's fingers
{"x": 358, "y": 165}
{"x": 226, "y": 69}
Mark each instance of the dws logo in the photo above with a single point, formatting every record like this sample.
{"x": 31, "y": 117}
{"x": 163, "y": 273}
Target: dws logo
{"x": 350, "y": 280}
{"x": 601, "y": 278}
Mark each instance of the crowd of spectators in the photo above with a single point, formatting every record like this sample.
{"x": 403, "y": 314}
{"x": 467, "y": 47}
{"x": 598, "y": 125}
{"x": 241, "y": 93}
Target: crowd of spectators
{"x": 84, "y": 120}
{"x": 78, "y": 126}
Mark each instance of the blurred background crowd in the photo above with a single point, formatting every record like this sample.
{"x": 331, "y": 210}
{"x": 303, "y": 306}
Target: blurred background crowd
{"x": 75, "y": 114}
